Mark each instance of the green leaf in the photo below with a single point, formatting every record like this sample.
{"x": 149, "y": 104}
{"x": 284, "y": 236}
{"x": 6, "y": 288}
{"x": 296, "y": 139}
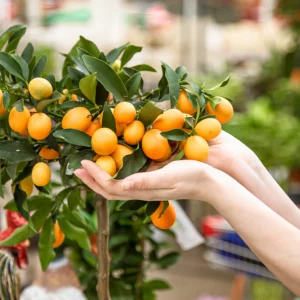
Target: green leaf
{"x": 79, "y": 219}
{"x": 181, "y": 73}
{"x": 74, "y": 199}
{"x": 193, "y": 99}
{"x": 75, "y": 233}
{"x": 14, "y": 40}
{"x": 72, "y": 104}
{"x": 75, "y": 74}
{"x": 72, "y": 136}
{"x": 23, "y": 65}
{"x": 88, "y": 86}
{"x": 179, "y": 156}
{"x": 8, "y": 33}
{"x": 47, "y": 238}
{"x": 133, "y": 205}
{"x": 16, "y": 151}
{"x": 19, "y": 105}
{"x": 79, "y": 63}
{"x": 62, "y": 195}
{"x": 174, "y": 87}
{"x": 51, "y": 79}
{"x": 133, "y": 84}
{"x": 175, "y": 135}
{"x": 24, "y": 232}
{"x": 39, "y": 67}
{"x": 108, "y": 120}
{"x": 89, "y": 46}
{"x": 115, "y": 53}
{"x": 117, "y": 240}
{"x": 31, "y": 67}
{"x": 168, "y": 260}
{"x": 129, "y": 52}
{"x": 20, "y": 197}
{"x": 214, "y": 102}
{"x": 11, "y": 169}
{"x": 107, "y": 77}
{"x": 223, "y": 83}
{"x": 143, "y": 67}
{"x": 76, "y": 158}
{"x": 44, "y": 103}
{"x": 26, "y": 172}
{"x": 1, "y": 185}
{"x": 27, "y": 53}
{"x": 149, "y": 113}
{"x": 155, "y": 285}
{"x": 11, "y": 65}
{"x": 152, "y": 206}
{"x": 132, "y": 163}
{"x": 6, "y": 99}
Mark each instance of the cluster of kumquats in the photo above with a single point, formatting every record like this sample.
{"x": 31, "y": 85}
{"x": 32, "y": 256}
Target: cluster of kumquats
{"x": 111, "y": 147}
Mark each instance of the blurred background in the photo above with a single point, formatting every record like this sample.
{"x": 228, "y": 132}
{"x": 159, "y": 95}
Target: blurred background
{"x": 257, "y": 41}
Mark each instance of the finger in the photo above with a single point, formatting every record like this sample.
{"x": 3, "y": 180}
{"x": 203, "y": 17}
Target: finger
{"x": 147, "y": 181}
{"x": 99, "y": 175}
{"x": 93, "y": 185}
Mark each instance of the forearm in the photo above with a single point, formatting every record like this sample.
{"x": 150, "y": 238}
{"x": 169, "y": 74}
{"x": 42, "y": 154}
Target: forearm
{"x": 256, "y": 179}
{"x": 274, "y": 240}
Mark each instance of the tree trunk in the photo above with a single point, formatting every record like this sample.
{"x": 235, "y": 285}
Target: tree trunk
{"x": 102, "y": 210}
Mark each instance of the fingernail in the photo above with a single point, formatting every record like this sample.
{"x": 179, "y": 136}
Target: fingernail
{"x": 127, "y": 185}
{"x": 77, "y": 172}
{"x": 83, "y": 162}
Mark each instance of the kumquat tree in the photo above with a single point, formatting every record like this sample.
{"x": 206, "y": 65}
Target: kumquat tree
{"x": 98, "y": 111}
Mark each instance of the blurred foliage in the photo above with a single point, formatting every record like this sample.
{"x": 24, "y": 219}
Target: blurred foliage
{"x": 41, "y": 50}
{"x": 133, "y": 250}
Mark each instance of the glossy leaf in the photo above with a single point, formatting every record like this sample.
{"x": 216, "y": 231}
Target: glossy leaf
{"x": 223, "y": 83}
{"x": 107, "y": 77}
{"x": 19, "y": 105}
{"x": 129, "y": 52}
{"x": 149, "y": 113}
{"x": 40, "y": 66}
{"x": 27, "y": 53}
{"x": 175, "y": 135}
{"x": 23, "y": 64}
{"x": 132, "y": 163}
{"x": 76, "y": 158}
{"x": 16, "y": 151}
{"x": 115, "y": 53}
{"x": 11, "y": 65}
{"x": 6, "y": 99}
{"x": 4, "y": 37}
{"x": 72, "y": 136}
{"x": 181, "y": 73}
{"x": 88, "y": 86}
{"x": 75, "y": 233}
{"x": 74, "y": 199}
{"x": 179, "y": 156}
{"x": 133, "y": 205}
{"x": 117, "y": 240}
{"x": 51, "y": 79}
{"x": 155, "y": 285}
{"x": 173, "y": 84}
{"x": 47, "y": 238}
{"x": 89, "y": 46}
{"x": 168, "y": 259}
{"x": 44, "y": 103}
{"x": 108, "y": 120}
{"x": 143, "y": 67}
{"x": 133, "y": 84}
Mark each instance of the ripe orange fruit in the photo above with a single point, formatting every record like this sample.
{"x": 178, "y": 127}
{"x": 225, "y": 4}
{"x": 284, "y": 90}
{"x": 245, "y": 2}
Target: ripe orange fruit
{"x": 124, "y": 113}
{"x": 48, "y": 153}
{"x": 184, "y": 104}
{"x": 41, "y": 174}
{"x": 26, "y": 185}
{"x": 223, "y": 112}
{"x": 39, "y": 126}
{"x": 196, "y": 148}
{"x": 166, "y": 156}
{"x": 107, "y": 164}
{"x": 93, "y": 127}
{"x": 18, "y": 121}
{"x": 59, "y": 236}
{"x": 154, "y": 145}
{"x": 134, "y": 132}
{"x": 118, "y": 155}
{"x": 40, "y": 88}
{"x": 74, "y": 97}
{"x": 104, "y": 141}
{"x": 165, "y": 220}
{"x": 32, "y": 111}
{"x": 64, "y": 97}
{"x": 120, "y": 128}
{"x": 170, "y": 119}
{"x": 2, "y": 109}
{"x": 77, "y": 118}
{"x": 208, "y": 128}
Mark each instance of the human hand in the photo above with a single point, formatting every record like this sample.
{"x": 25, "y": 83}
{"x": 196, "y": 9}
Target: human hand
{"x": 177, "y": 180}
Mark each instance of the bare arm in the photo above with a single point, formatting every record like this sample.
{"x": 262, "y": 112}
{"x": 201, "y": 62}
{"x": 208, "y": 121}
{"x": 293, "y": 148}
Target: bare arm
{"x": 234, "y": 158}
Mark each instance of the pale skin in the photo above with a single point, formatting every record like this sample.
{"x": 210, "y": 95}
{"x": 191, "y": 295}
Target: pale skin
{"x": 236, "y": 183}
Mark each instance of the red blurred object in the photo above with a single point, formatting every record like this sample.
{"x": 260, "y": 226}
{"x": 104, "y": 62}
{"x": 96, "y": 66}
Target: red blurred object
{"x": 210, "y": 225}
{"x": 158, "y": 17}
{"x": 14, "y": 221}
{"x": 93, "y": 240}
